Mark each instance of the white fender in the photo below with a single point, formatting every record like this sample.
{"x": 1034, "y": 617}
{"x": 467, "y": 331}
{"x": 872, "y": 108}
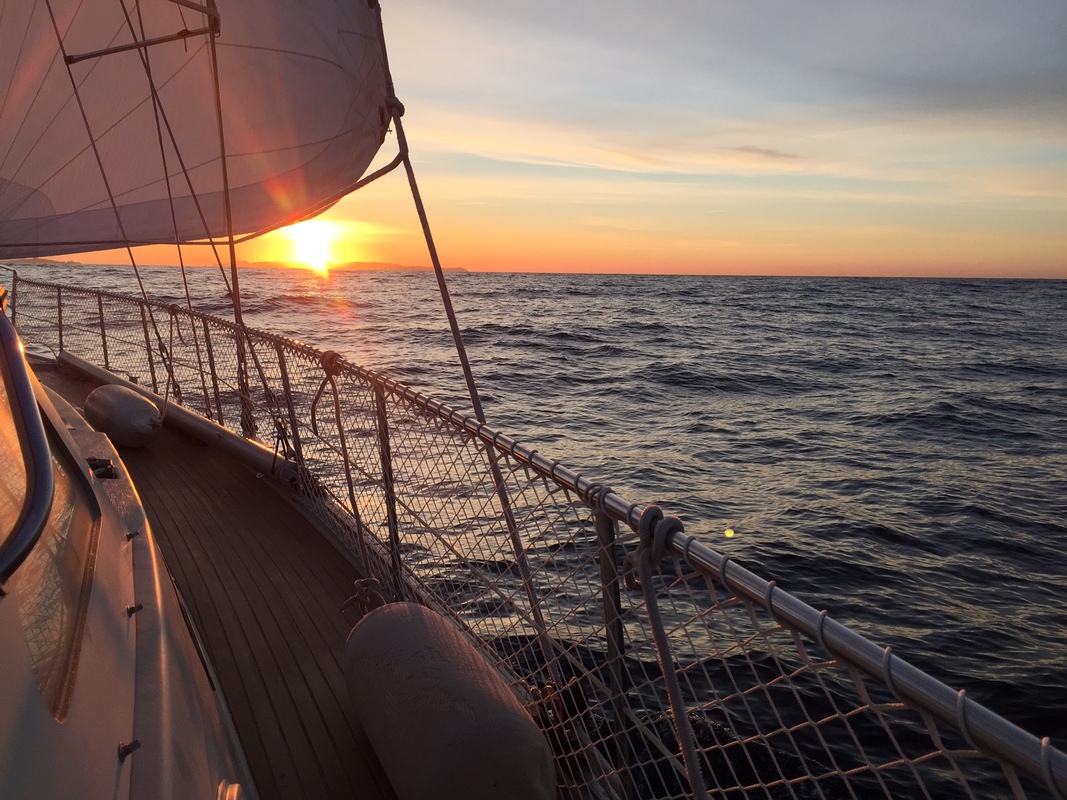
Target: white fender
{"x": 128, "y": 418}
{"x": 441, "y": 721}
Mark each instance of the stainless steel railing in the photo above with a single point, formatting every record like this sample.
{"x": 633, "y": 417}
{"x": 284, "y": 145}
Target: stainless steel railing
{"x": 684, "y": 667}
{"x": 36, "y": 457}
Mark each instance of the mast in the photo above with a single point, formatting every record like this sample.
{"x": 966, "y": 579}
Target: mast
{"x": 235, "y": 285}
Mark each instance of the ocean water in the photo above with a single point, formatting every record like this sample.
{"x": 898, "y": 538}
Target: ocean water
{"x": 894, "y": 451}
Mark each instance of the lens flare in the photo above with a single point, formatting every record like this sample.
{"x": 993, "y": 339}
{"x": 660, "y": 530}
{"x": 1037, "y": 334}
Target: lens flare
{"x": 312, "y": 244}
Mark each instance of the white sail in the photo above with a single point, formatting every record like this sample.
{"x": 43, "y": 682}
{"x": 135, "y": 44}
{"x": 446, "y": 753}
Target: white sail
{"x": 303, "y": 90}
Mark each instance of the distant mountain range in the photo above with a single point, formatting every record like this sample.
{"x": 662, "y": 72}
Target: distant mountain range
{"x": 350, "y": 265}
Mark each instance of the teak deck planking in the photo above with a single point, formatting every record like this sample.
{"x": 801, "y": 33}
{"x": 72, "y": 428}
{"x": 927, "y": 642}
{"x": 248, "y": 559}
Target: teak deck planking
{"x": 263, "y": 588}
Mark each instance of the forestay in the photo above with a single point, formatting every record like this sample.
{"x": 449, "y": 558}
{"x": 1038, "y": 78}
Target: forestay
{"x": 302, "y": 88}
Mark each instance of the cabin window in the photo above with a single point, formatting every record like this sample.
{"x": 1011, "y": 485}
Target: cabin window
{"x": 52, "y": 586}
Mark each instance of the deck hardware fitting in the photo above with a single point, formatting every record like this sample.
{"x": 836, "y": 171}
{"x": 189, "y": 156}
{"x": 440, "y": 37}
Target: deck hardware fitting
{"x": 722, "y": 571}
{"x": 1046, "y": 767}
{"x": 102, "y": 467}
{"x": 126, "y": 749}
{"x": 131, "y": 534}
{"x": 819, "y": 625}
{"x": 131, "y": 610}
{"x": 887, "y": 670}
{"x": 685, "y": 549}
{"x": 961, "y": 715}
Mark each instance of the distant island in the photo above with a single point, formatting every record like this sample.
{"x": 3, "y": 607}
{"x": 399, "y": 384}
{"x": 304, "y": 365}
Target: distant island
{"x": 346, "y": 267}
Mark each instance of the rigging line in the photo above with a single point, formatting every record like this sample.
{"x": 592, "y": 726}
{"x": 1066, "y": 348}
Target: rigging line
{"x": 243, "y": 340}
{"x": 247, "y": 420}
{"x": 158, "y": 108}
{"x": 164, "y": 351}
{"x": 544, "y": 644}
{"x": 318, "y": 208}
{"x": 3, "y": 100}
{"x": 40, "y": 87}
{"x": 92, "y": 141}
{"x": 446, "y": 298}
{"x": 396, "y": 110}
{"x": 30, "y": 105}
{"x": 235, "y": 288}
{"x": 107, "y": 186}
{"x": 161, "y": 112}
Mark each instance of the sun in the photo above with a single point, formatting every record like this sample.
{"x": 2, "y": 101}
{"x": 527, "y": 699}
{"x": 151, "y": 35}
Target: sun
{"x": 312, "y": 244}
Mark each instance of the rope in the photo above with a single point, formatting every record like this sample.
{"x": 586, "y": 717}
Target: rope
{"x": 330, "y": 361}
{"x": 366, "y": 598}
{"x": 839, "y": 650}
{"x": 453, "y": 323}
{"x": 110, "y": 193}
{"x": 161, "y": 119}
{"x": 396, "y": 108}
{"x": 563, "y": 714}
{"x": 654, "y": 532}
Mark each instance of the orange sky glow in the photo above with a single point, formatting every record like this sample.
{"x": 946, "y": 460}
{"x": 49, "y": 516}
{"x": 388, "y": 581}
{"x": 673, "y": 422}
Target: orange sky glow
{"x": 589, "y": 222}
{"x": 538, "y": 234}
{"x": 931, "y": 141}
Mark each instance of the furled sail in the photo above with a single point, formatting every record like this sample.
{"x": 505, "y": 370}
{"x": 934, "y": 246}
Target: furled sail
{"x": 107, "y": 138}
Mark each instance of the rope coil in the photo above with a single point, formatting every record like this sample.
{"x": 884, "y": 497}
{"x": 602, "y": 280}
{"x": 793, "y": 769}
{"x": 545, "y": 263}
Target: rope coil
{"x": 654, "y": 532}
{"x": 368, "y": 596}
{"x": 595, "y": 495}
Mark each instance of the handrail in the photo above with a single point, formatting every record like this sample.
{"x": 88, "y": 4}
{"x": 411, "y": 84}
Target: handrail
{"x": 980, "y": 728}
{"x": 1037, "y": 758}
{"x": 40, "y": 483}
{"x": 909, "y": 684}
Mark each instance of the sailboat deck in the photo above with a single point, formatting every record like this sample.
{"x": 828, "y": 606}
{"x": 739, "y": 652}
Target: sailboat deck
{"x": 263, "y": 588}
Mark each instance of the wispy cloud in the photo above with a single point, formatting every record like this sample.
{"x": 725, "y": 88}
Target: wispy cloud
{"x": 893, "y": 112}
{"x": 767, "y": 153}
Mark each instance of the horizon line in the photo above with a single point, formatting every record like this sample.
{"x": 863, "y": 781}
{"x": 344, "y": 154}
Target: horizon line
{"x": 378, "y": 266}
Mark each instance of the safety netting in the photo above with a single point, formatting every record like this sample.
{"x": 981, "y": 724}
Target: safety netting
{"x": 656, "y": 666}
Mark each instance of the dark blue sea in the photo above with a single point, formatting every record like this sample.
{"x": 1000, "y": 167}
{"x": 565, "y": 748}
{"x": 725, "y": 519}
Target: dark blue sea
{"x": 894, "y": 451}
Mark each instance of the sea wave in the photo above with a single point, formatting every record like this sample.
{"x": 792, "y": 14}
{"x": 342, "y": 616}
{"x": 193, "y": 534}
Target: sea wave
{"x": 892, "y": 450}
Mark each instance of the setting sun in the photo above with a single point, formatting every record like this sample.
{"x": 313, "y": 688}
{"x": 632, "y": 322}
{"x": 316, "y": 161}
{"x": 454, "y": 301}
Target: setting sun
{"x": 312, "y": 243}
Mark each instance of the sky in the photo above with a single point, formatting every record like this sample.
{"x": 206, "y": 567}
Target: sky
{"x": 691, "y": 136}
